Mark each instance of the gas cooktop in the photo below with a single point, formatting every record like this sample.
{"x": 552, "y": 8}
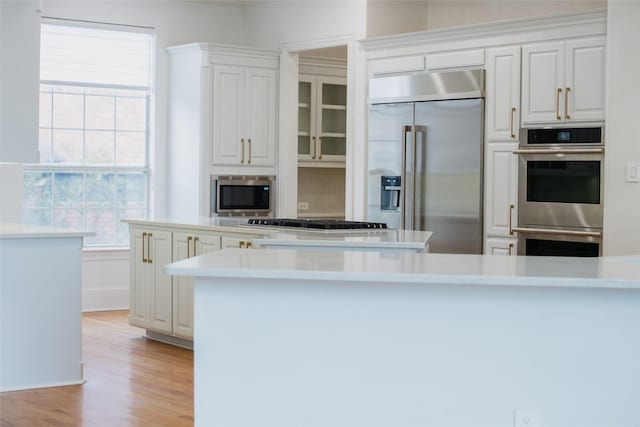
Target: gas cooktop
{"x": 319, "y": 224}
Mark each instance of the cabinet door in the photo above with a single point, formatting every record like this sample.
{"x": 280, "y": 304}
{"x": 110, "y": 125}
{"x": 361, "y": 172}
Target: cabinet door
{"x": 183, "y": 248}
{"x": 161, "y": 292}
{"x": 331, "y": 121}
{"x": 503, "y": 94}
{"x": 543, "y": 67}
{"x": 500, "y": 246}
{"x": 186, "y": 245}
{"x": 585, "y": 80}
{"x": 306, "y": 117}
{"x": 260, "y": 132}
{"x": 501, "y": 179}
{"x": 228, "y": 115}
{"x": 138, "y": 277}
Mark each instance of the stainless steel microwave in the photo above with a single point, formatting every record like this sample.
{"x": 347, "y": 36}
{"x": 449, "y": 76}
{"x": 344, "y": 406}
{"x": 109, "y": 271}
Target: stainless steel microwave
{"x": 242, "y": 195}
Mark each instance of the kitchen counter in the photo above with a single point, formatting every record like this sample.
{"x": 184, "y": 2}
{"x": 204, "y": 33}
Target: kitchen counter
{"x": 235, "y": 225}
{"x": 40, "y": 306}
{"x": 10, "y": 230}
{"x": 311, "y": 338}
{"x": 477, "y": 270}
{"x": 302, "y": 238}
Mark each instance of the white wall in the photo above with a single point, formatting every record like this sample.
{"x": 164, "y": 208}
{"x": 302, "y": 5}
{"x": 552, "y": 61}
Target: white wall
{"x": 388, "y": 17}
{"x": 19, "y": 75}
{"x": 622, "y": 199}
{"x": 270, "y": 23}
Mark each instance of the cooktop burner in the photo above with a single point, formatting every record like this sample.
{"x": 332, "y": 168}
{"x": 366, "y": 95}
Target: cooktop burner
{"x": 322, "y": 224}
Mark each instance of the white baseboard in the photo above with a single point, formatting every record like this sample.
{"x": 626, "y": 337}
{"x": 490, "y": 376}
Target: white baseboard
{"x": 105, "y": 279}
{"x": 105, "y": 299}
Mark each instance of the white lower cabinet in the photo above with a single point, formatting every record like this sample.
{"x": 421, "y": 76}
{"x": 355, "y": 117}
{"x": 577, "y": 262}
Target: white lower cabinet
{"x": 187, "y": 244}
{"x": 500, "y": 246}
{"x": 151, "y": 289}
{"x": 163, "y": 304}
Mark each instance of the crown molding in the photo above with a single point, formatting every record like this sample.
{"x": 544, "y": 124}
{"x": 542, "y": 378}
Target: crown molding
{"x": 592, "y": 22}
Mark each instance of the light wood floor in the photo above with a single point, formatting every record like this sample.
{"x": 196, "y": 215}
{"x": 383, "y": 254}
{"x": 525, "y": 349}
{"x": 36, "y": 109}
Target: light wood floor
{"x": 130, "y": 381}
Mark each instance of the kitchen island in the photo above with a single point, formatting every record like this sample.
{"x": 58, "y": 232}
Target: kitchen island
{"x": 302, "y": 338}
{"x": 163, "y": 305}
{"x": 40, "y": 306}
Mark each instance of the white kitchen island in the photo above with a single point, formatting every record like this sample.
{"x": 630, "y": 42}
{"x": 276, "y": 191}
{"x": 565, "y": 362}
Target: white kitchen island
{"x": 301, "y": 338}
{"x": 40, "y": 306}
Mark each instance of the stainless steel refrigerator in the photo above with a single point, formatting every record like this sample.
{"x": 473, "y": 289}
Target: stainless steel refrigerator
{"x": 425, "y": 156}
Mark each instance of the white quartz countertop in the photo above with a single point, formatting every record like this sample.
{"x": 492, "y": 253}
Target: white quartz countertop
{"x": 10, "y": 230}
{"x": 423, "y": 268}
{"x": 398, "y": 239}
{"x": 235, "y": 224}
{"x": 299, "y": 237}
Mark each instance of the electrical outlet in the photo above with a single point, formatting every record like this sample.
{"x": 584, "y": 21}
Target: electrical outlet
{"x": 303, "y": 206}
{"x": 526, "y": 418}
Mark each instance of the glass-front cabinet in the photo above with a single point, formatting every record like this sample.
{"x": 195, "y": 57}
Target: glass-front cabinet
{"x": 322, "y": 124}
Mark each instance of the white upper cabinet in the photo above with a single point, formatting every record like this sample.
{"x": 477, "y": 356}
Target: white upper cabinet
{"x": 585, "y": 79}
{"x": 244, "y": 118}
{"x": 564, "y": 81}
{"x": 322, "y": 120}
{"x": 503, "y": 93}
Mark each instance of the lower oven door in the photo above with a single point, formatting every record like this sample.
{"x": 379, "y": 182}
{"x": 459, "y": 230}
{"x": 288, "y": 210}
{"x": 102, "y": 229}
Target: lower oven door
{"x": 555, "y": 242}
{"x": 560, "y": 188}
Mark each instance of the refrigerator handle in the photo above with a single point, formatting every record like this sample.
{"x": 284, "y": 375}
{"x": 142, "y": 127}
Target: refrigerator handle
{"x": 403, "y": 179}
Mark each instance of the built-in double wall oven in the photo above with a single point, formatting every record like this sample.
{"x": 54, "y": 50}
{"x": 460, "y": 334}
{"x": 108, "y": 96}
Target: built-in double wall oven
{"x": 560, "y": 191}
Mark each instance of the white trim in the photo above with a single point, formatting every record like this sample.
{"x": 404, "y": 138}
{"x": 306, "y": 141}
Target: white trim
{"x": 516, "y": 30}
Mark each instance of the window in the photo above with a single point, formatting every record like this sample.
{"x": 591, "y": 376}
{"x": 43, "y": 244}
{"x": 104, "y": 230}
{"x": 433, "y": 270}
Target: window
{"x": 94, "y": 131}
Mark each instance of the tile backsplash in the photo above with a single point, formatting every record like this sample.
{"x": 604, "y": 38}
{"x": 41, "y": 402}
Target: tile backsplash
{"x": 322, "y": 189}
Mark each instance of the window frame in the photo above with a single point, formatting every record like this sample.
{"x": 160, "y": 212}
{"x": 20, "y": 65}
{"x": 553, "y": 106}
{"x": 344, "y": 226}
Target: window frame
{"x": 84, "y": 168}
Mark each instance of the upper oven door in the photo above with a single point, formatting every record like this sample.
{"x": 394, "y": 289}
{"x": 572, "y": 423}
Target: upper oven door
{"x": 561, "y": 188}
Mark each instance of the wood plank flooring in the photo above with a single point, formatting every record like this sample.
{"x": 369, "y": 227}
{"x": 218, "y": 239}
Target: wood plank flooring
{"x": 130, "y": 381}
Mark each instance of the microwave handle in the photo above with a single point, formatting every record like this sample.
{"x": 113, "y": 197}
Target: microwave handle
{"x": 560, "y": 151}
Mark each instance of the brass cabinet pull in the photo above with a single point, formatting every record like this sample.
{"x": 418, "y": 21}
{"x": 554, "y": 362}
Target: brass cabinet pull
{"x": 510, "y": 247}
{"x": 566, "y": 103}
{"x": 242, "y": 143}
{"x": 241, "y": 244}
{"x": 144, "y": 237}
{"x": 313, "y": 144}
{"x": 149, "y": 260}
{"x": 188, "y": 245}
{"x": 249, "y": 141}
{"x": 511, "y": 207}
{"x": 249, "y": 245}
{"x": 195, "y": 242}
{"x": 513, "y": 113}
{"x": 558, "y": 104}
{"x": 319, "y": 148}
